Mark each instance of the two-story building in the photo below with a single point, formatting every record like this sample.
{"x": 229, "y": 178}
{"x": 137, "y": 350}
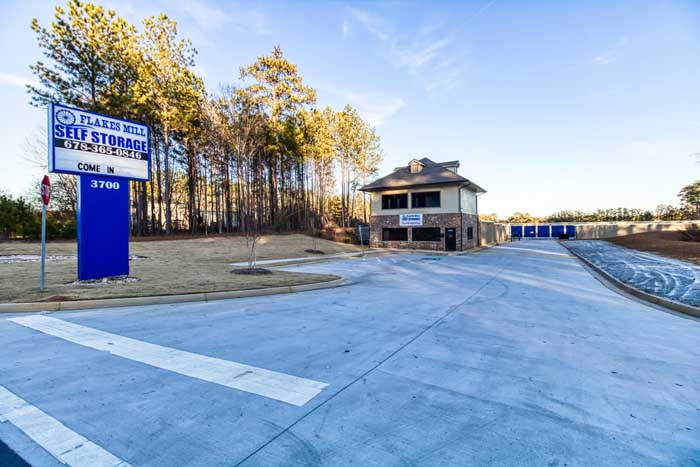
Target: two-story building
{"x": 424, "y": 205}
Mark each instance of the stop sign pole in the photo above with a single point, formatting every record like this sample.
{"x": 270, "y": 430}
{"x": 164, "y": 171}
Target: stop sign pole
{"x": 45, "y": 198}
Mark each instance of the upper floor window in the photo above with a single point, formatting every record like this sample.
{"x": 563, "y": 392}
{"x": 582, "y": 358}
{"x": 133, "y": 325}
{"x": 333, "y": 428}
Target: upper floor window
{"x": 399, "y": 201}
{"x": 425, "y": 199}
{"x": 416, "y": 167}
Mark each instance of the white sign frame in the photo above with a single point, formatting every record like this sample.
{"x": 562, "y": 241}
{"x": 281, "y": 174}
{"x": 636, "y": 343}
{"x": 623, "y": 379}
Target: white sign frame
{"x": 88, "y": 143}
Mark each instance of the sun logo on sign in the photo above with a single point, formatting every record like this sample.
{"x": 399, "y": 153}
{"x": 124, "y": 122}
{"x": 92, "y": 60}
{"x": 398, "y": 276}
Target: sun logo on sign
{"x": 65, "y": 116}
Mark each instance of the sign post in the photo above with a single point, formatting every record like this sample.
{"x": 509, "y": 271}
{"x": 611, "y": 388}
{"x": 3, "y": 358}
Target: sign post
{"x": 45, "y": 198}
{"x": 362, "y": 243}
{"x": 106, "y": 153}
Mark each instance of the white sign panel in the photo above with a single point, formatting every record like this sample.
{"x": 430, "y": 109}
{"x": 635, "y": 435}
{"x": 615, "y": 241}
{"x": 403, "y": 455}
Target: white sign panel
{"x": 82, "y": 142}
{"x": 407, "y": 220}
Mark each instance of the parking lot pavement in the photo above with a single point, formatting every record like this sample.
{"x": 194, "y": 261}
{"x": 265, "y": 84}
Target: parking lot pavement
{"x": 511, "y": 356}
{"x": 664, "y": 277}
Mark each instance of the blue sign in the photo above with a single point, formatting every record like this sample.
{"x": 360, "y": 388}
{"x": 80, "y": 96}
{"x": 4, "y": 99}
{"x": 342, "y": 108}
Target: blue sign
{"x": 106, "y": 153}
{"x": 103, "y": 227}
{"x": 82, "y": 142}
{"x": 410, "y": 219}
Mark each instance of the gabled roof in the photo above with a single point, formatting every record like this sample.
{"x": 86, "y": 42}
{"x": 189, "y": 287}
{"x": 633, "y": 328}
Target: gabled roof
{"x": 433, "y": 173}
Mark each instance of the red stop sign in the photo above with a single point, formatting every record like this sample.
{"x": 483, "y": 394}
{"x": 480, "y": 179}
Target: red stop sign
{"x": 46, "y": 190}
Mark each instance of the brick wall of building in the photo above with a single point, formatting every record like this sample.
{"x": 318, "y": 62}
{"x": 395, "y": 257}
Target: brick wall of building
{"x": 469, "y": 220}
{"x": 377, "y": 223}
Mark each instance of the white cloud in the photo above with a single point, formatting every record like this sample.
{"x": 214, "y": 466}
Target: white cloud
{"x": 372, "y": 108}
{"x": 422, "y": 53}
{"x": 611, "y": 54}
{"x": 346, "y": 29}
{"x": 372, "y": 23}
{"x": 481, "y": 11}
{"x": 448, "y": 75}
{"x": 8, "y": 79}
{"x": 376, "y": 110}
{"x": 208, "y": 16}
{"x": 416, "y": 56}
{"x": 255, "y": 21}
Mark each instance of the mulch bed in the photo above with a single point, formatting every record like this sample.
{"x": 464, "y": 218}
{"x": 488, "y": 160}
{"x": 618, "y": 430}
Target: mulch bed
{"x": 252, "y": 271}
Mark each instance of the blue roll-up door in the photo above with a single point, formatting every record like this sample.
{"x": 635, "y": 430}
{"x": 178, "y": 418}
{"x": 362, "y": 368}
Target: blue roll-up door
{"x": 543, "y": 231}
{"x": 557, "y": 230}
{"x": 516, "y": 231}
{"x": 530, "y": 231}
{"x": 571, "y": 230}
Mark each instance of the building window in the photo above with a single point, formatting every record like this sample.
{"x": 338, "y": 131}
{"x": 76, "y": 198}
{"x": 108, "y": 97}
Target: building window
{"x": 399, "y": 201}
{"x": 470, "y": 233}
{"x": 416, "y": 167}
{"x": 425, "y": 199}
{"x": 426, "y": 234}
{"x": 394, "y": 235}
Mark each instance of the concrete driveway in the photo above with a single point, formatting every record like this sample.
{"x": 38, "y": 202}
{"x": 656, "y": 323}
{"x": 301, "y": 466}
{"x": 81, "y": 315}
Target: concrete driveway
{"x": 509, "y": 357}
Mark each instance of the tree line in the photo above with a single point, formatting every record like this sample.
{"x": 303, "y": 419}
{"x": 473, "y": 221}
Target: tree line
{"x": 688, "y": 209}
{"x": 256, "y": 155}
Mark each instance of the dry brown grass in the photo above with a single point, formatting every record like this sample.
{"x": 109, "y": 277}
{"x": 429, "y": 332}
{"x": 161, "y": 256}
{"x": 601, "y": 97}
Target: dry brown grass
{"x": 671, "y": 244}
{"x": 169, "y": 267}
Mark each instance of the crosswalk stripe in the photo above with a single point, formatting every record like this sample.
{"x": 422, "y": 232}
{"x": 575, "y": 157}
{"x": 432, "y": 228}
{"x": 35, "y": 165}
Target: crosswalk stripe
{"x": 64, "y": 444}
{"x": 279, "y": 386}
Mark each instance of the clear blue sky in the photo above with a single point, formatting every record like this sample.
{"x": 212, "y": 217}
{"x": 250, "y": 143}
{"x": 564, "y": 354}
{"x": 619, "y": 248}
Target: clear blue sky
{"x": 548, "y": 105}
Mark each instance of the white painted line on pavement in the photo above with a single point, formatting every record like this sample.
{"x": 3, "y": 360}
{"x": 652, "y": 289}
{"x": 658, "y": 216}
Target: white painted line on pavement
{"x": 539, "y": 252}
{"x": 279, "y": 386}
{"x": 60, "y": 441}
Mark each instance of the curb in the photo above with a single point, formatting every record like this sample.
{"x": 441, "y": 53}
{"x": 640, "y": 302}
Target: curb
{"x": 646, "y": 296}
{"x": 166, "y": 299}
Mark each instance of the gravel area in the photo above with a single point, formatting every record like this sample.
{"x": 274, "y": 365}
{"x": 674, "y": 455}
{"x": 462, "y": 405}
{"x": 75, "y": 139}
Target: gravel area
{"x": 654, "y": 274}
{"x": 12, "y": 259}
